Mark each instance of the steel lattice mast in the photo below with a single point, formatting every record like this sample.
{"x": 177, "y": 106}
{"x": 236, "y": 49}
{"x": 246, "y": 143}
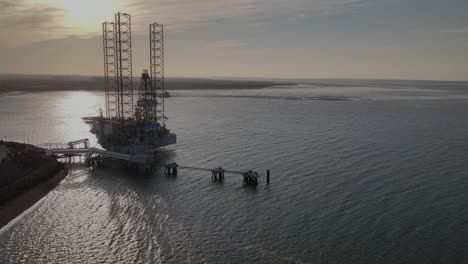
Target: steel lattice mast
{"x": 110, "y": 70}
{"x": 118, "y": 70}
{"x": 124, "y": 64}
{"x": 157, "y": 67}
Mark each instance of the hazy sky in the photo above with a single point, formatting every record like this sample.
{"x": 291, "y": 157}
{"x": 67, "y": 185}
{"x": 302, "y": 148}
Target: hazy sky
{"x": 394, "y": 39}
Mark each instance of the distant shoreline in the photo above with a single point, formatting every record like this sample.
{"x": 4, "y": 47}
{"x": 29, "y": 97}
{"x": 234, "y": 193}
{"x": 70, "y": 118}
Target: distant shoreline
{"x": 46, "y": 83}
{"x": 70, "y": 83}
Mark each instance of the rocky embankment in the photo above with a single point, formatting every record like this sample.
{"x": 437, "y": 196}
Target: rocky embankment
{"x": 26, "y": 175}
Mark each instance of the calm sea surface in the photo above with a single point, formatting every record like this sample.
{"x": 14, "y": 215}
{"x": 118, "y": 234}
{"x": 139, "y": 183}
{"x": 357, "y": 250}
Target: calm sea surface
{"x": 375, "y": 172}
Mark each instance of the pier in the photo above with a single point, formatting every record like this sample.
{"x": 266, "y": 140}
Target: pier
{"x": 94, "y": 157}
{"x": 217, "y": 174}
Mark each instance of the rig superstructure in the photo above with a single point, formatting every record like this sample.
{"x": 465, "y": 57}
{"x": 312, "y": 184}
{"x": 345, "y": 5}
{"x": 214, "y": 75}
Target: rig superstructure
{"x": 128, "y": 126}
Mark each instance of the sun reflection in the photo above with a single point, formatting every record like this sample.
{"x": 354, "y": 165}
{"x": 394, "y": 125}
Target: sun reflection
{"x": 71, "y": 108}
{"x": 85, "y": 15}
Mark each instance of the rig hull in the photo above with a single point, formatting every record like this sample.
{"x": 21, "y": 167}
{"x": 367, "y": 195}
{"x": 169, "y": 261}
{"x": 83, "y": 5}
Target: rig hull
{"x": 131, "y": 137}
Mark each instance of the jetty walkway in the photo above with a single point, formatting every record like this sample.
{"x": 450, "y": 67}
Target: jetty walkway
{"x": 94, "y": 156}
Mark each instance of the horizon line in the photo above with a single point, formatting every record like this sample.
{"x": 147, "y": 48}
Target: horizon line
{"x": 249, "y": 78}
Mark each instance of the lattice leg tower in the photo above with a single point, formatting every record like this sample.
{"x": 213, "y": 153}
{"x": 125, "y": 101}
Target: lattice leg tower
{"x": 157, "y": 67}
{"x": 123, "y": 42}
{"x": 110, "y": 70}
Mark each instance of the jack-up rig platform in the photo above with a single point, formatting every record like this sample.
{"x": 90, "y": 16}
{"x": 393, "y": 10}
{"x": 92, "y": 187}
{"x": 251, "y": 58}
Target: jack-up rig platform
{"x": 126, "y": 131}
{"x": 137, "y": 130}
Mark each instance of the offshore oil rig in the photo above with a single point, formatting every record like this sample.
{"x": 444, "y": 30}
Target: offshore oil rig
{"x": 134, "y": 130}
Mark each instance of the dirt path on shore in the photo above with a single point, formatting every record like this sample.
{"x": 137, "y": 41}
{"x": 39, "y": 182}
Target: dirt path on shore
{"x": 16, "y": 206}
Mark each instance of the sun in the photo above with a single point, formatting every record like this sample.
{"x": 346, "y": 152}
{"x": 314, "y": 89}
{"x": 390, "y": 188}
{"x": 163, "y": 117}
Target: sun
{"x": 85, "y": 16}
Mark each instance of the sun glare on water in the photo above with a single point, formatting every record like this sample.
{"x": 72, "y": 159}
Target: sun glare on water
{"x": 85, "y": 16}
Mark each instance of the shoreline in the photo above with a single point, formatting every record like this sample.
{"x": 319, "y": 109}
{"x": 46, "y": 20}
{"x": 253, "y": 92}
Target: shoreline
{"x": 13, "y": 208}
{"x": 26, "y": 176}
{"x": 34, "y": 83}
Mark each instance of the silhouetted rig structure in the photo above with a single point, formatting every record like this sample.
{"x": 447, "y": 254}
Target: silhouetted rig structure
{"x": 131, "y": 132}
{"x": 137, "y": 130}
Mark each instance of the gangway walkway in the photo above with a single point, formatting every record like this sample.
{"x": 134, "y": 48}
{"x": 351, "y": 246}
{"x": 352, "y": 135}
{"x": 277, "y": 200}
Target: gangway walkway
{"x": 71, "y": 151}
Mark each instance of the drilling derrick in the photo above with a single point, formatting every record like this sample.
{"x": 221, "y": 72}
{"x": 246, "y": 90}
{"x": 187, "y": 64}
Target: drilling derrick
{"x": 147, "y": 102}
{"x": 146, "y": 115}
{"x": 157, "y": 67}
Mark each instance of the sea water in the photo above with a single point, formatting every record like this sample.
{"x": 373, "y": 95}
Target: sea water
{"x": 369, "y": 172}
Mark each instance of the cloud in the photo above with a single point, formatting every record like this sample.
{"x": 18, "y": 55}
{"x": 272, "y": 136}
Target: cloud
{"x": 461, "y": 30}
{"x": 189, "y": 14}
{"x": 37, "y": 18}
{"x": 336, "y": 7}
{"x": 7, "y": 4}
{"x": 445, "y": 31}
{"x": 21, "y": 22}
{"x": 228, "y": 43}
{"x": 33, "y": 20}
{"x": 19, "y": 15}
